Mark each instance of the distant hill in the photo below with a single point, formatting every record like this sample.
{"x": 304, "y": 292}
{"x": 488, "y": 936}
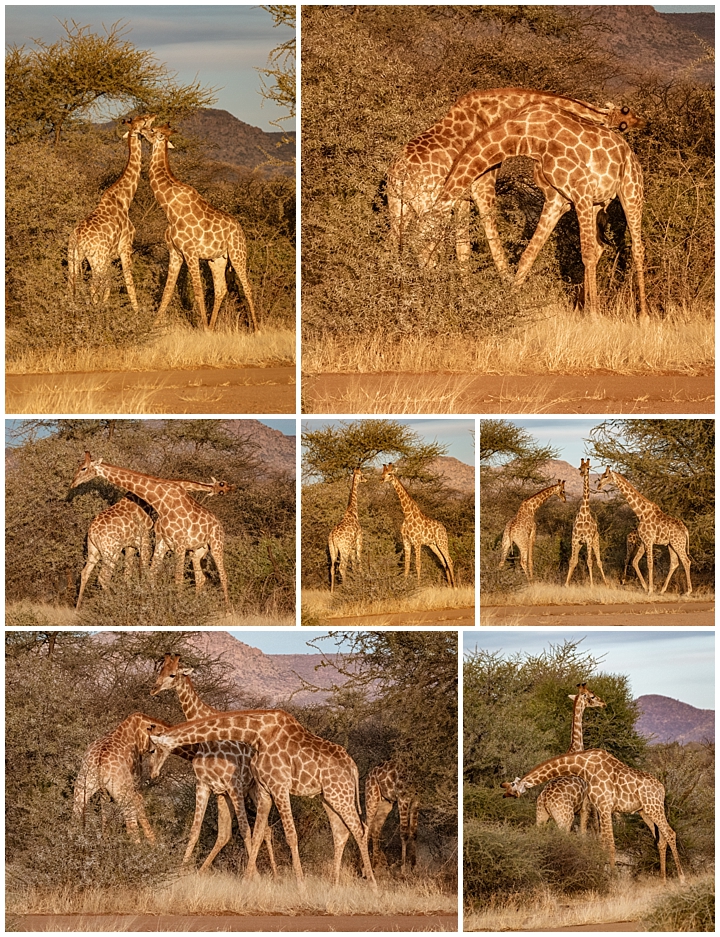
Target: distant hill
{"x": 669, "y": 720}
{"x": 276, "y": 449}
{"x": 456, "y": 474}
{"x": 559, "y": 468}
{"x": 236, "y": 143}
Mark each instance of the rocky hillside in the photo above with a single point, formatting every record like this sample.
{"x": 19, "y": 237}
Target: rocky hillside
{"x": 232, "y": 141}
{"x": 456, "y": 474}
{"x": 276, "y": 450}
{"x": 669, "y": 720}
{"x": 559, "y": 468}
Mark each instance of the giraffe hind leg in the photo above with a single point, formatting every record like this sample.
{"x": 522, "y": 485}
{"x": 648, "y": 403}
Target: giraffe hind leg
{"x": 238, "y": 259}
{"x": 218, "y": 266}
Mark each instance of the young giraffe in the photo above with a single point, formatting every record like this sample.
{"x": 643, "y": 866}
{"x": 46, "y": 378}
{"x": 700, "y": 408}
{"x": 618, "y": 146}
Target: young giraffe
{"x": 655, "y": 526}
{"x": 108, "y": 232}
{"x": 384, "y": 786}
{"x": 182, "y": 523}
{"x": 418, "y": 530}
{"x": 345, "y": 540}
{"x": 583, "y": 164}
{"x": 632, "y": 543}
{"x": 521, "y": 529}
{"x": 612, "y": 787}
{"x": 288, "y": 760}
{"x": 417, "y": 175}
{"x": 112, "y": 765}
{"x": 585, "y": 530}
{"x": 562, "y": 798}
{"x": 221, "y": 768}
{"x": 196, "y": 231}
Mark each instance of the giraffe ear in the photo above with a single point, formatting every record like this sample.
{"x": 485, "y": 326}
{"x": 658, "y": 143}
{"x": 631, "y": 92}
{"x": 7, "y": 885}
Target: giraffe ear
{"x": 170, "y": 145}
{"x": 125, "y": 135}
{"x": 186, "y": 671}
{"x": 572, "y": 696}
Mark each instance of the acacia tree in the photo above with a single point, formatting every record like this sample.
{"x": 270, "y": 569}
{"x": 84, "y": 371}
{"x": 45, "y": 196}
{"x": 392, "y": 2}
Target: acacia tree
{"x": 282, "y": 59}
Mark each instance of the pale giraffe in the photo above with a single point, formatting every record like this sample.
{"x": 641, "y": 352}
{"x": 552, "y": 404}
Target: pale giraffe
{"x": 112, "y": 765}
{"x": 108, "y": 232}
{"x": 418, "y": 530}
{"x": 196, "y": 231}
{"x": 654, "y": 526}
{"x": 182, "y": 523}
{"x": 345, "y": 540}
{"x": 585, "y": 530}
{"x": 612, "y": 787}
{"x": 288, "y": 760}
{"x": 122, "y": 526}
{"x": 221, "y": 768}
{"x": 385, "y": 785}
{"x": 522, "y": 530}
{"x": 562, "y": 798}
{"x": 583, "y": 165}
{"x": 632, "y": 543}
{"x": 418, "y": 173}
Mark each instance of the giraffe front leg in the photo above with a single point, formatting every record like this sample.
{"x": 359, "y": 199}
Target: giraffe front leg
{"x": 126, "y": 263}
{"x": 340, "y": 834}
{"x": 196, "y": 557}
{"x": 174, "y": 264}
{"x": 553, "y": 209}
{"x": 573, "y": 562}
{"x": 588, "y": 249}
{"x": 589, "y": 555}
{"x": 596, "y": 550}
{"x": 606, "y": 834}
{"x": 650, "y": 564}
{"x": 462, "y": 231}
{"x": 194, "y": 268}
{"x": 224, "y": 830}
{"x": 407, "y": 548}
{"x": 92, "y": 561}
{"x": 483, "y": 194}
{"x": 202, "y": 795}
{"x": 218, "y": 266}
{"x": 636, "y": 565}
{"x": 264, "y": 803}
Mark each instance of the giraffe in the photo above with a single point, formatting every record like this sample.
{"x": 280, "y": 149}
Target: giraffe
{"x": 345, "y": 540}
{"x": 632, "y": 542}
{"x": 585, "y": 530}
{"x": 582, "y": 164}
{"x": 288, "y": 760}
{"x": 418, "y": 173}
{"x": 655, "y": 526}
{"x": 182, "y": 523}
{"x": 521, "y": 529}
{"x": 122, "y": 526}
{"x": 108, "y": 231}
{"x": 418, "y": 530}
{"x": 196, "y": 231}
{"x": 385, "y": 785}
{"x": 613, "y": 787}
{"x": 221, "y": 768}
{"x": 562, "y": 798}
{"x": 112, "y": 765}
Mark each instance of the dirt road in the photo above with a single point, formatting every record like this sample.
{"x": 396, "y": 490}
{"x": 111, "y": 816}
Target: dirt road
{"x": 533, "y": 393}
{"x": 622, "y": 926}
{"x": 231, "y": 922}
{"x": 210, "y": 390}
{"x": 438, "y": 616}
{"x": 672, "y": 614}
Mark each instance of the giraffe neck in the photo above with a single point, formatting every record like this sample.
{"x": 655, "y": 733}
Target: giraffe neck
{"x": 145, "y": 486}
{"x": 126, "y": 186}
{"x": 410, "y": 509}
{"x": 639, "y": 503}
{"x": 561, "y": 766}
{"x": 162, "y": 180}
{"x": 352, "y": 507}
{"x": 255, "y": 727}
{"x": 586, "y": 489}
{"x": 192, "y": 705}
{"x": 576, "y": 730}
{"x": 533, "y": 503}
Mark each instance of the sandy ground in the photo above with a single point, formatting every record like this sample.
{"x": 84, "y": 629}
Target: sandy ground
{"x": 671, "y": 614}
{"x": 231, "y": 922}
{"x": 596, "y": 393}
{"x": 437, "y": 616}
{"x": 210, "y": 390}
{"x": 623, "y": 926}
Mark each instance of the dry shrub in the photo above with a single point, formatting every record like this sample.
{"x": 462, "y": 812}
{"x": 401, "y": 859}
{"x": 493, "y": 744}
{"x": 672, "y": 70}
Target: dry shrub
{"x": 687, "y": 909}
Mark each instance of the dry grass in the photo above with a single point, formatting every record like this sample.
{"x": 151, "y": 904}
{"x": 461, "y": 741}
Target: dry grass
{"x": 629, "y": 900}
{"x": 540, "y": 593}
{"x": 434, "y": 394}
{"x": 175, "y": 349}
{"x": 37, "y": 614}
{"x": 565, "y": 342}
{"x": 222, "y": 893}
{"x": 318, "y": 603}
{"x": 88, "y": 395}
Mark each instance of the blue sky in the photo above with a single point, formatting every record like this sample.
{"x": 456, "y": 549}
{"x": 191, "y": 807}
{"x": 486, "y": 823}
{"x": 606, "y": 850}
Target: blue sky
{"x": 218, "y": 45}
{"x": 284, "y": 640}
{"x": 675, "y": 663}
{"x": 566, "y": 435}
{"x": 682, "y": 8}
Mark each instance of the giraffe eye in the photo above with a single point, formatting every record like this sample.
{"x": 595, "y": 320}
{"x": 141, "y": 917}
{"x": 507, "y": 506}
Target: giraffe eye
{"x": 625, "y": 110}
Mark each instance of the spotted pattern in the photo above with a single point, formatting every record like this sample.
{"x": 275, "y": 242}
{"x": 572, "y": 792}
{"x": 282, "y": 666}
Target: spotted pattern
{"x": 385, "y": 785}
{"x": 522, "y": 529}
{"x": 345, "y": 540}
{"x": 585, "y": 530}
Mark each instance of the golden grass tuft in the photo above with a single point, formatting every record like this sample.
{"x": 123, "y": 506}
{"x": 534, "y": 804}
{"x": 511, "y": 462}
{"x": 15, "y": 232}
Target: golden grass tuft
{"x": 318, "y": 603}
{"x": 542, "y": 593}
{"x": 36, "y": 615}
{"x": 431, "y": 394}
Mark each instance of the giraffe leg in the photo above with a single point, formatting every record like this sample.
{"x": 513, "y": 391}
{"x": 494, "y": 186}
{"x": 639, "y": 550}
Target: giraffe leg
{"x": 596, "y": 550}
{"x": 202, "y": 795}
{"x": 530, "y": 551}
{"x": 74, "y": 264}
{"x": 264, "y": 802}
{"x": 375, "y": 825}
{"x": 606, "y": 833}
{"x": 588, "y": 245}
{"x": 353, "y": 822}
{"x": 573, "y": 561}
{"x": 196, "y": 556}
{"x": 92, "y": 561}
{"x": 238, "y": 259}
{"x": 506, "y": 547}
{"x": 237, "y": 798}
{"x": 224, "y": 830}
{"x": 218, "y": 267}
{"x": 632, "y": 207}
{"x": 636, "y": 565}
{"x": 194, "y": 268}
{"x": 126, "y": 262}
{"x": 674, "y": 563}
{"x": 554, "y": 208}
{"x": 174, "y": 264}
{"x": 407, "y": 548}
{"x": 334, "y": 553}
{"x": 413, "y": 819}
{"x": 650, "y": 559}
{"x": 404, "y": 812}
{"x": 589, "y": 557}
{"x": 462, "y": 231}
{"x": 217, "y": 550}
{"x": 584, "y": 814}
{"x": 282, "y": 802}
{"x": 340, "y": 834}
{"x": 483, "y": 194}
{"x": 107, "y": 569}
{"x": 418, "y": 559}
{"x": 358, "y": 550}
{"x": 445, "y": 562}
{"x": 685, "y": 559}
{"x": 252, "y": 793}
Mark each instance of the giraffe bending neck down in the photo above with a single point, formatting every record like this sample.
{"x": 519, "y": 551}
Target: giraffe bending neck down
{"x": 221, "y": 768}
{"x": 654, "y": 526}
{"x": 419, "y": 530}
{"x": 632, "y": 543}
{"x": 612, "y": 787}
{"x": 581, "y": 163}
{"x": 562, "y": 798}
{"x": 345, "y": 540}
{"x": 196, "y": 231}
{"x": 288, "y": 760}
{"x": 108, "y": 232}
{"x": 417, "y": 175}
{"x": 182, "y": 523}
{"x": 585, "y": 530}
{"x": 385, "y": 785}
{"x": 522, "y": 529}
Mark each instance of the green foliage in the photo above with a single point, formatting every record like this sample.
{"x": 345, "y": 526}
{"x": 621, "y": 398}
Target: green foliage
{"x": 689, "y": 908}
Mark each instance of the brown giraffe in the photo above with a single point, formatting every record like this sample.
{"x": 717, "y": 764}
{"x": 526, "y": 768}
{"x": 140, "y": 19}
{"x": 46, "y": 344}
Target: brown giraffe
{"x": 122, "y": 526}
{"x": 613, "y": 787}
{"x": 182, "y": 523}
{"x": 112, "y": 765}
{"x": 562, "y": 798}
{"x": 345, "y": 540}
{"x": 585, "y": 530}
{"x": 108, "y": 232}
{"x": 632, "y": 543}
{"x": 582, "y": 164}
{"x": 418, "y": 530}
{"x": 655, "y": 526}
{"x": 196, "y": 231}
{"x": 522, "y": 529}
{"x": 417, "y": 175}
{"x": 221, "y": 768}
{"x": 288, "y": 760}
{"x": 385, "y": 785}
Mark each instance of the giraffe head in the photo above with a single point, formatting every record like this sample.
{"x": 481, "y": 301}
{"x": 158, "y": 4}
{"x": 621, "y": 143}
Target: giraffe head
{"x": 169, "y": 673}
{"x": 388, "y": 471}
{"x": 159, "y": 748}
{"x": 584, "y": 467}
{"x": 561, "y": 489}
{"x": 159, "y": 135}
{"x": 221, "y": 488}
{"x": 622, "y": 118}
{"x": 514, "y": 789}
{"x": 605, "y": 479}
{"x": 587, "y": 696}
{"x": 87, "y": 470}
{"x": 137, "y": 124}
